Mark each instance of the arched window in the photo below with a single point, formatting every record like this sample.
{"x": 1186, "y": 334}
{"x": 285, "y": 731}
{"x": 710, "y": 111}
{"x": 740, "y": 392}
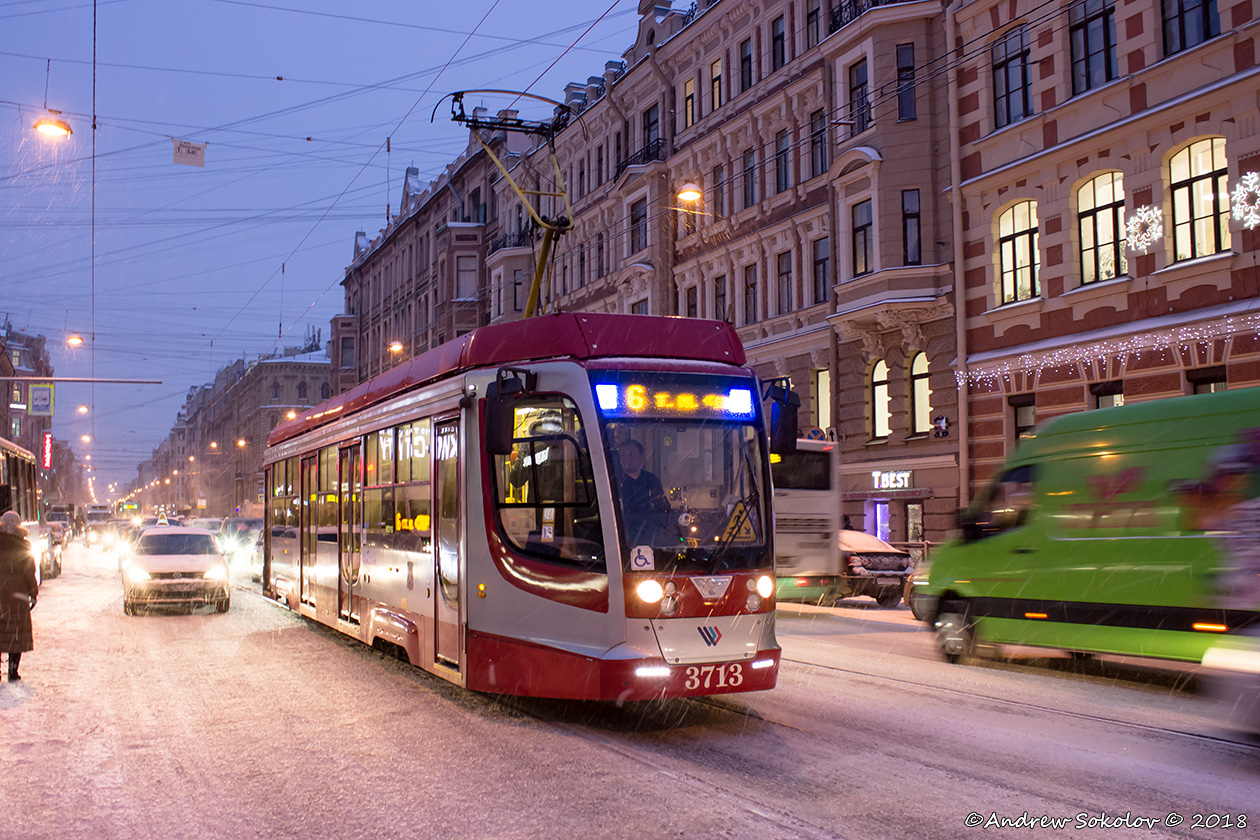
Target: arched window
{"x": 1197, "y": 176}
{"x": 275, "y": 391}
{"x": 1018, "y": 258}
{"x": 920, "y": 395}
{"x": 881, "y": 412}
{"x": 1100, "y": 216}
{"x": 301, "y": 390}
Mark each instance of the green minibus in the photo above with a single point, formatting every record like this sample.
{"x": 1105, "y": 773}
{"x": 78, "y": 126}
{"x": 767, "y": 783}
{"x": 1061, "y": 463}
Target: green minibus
{"x": 1132, "y": 530}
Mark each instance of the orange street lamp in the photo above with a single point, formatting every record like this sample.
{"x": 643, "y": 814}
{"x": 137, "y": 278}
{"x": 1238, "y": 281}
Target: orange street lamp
{"x": 241, "y": 443}
{"x": 86, "y": 438}
{"x": 83, "y": 409}
{"x": 53, "y": 125}
{"x": 74, "y": 340}
{"x": 395, "y": 346}
{"x": 689, "y": 192}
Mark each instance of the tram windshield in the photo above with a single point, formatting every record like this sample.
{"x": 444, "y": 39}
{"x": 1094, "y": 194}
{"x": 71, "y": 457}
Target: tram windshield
{"x": 686, "y": 458}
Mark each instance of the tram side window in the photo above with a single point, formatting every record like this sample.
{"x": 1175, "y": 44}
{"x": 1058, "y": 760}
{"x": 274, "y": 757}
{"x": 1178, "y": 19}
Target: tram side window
{"x": 1007, "y": 505}
{"x": 412, "y": 521}
{"x": 544, "y": 490}
{"x": 378, "y": 516}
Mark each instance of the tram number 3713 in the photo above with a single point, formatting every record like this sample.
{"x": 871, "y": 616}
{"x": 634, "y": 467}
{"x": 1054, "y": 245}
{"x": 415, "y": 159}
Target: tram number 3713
{"x": 730, "y": 675}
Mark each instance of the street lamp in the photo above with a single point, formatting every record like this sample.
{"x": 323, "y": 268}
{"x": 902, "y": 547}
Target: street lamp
{"x": 689, "y": 192}
{"x": 86, "y": 438}
{"x": 395, "y": 347}
{"x": 74, "y": 340}
{"x": 240, "y": 444}
{"x": 83, "y": 409}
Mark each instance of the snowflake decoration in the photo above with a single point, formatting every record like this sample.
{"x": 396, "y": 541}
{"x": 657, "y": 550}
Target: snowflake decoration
{"x": 1145, "y": 228}
{"x": 1246, "y": 200}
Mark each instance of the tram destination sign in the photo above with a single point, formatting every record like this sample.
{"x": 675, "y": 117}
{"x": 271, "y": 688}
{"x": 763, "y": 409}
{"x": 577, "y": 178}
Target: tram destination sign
{"x": 702, "y": 398}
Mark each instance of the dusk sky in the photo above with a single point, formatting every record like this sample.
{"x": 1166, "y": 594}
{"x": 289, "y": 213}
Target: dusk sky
{"x": 195, "y": 267}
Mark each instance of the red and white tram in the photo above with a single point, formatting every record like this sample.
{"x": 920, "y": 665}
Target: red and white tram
{"x": 470, "y": 507}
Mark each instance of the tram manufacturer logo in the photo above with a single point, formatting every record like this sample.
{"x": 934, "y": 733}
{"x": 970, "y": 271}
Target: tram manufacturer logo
{"x": 711, "y": 635}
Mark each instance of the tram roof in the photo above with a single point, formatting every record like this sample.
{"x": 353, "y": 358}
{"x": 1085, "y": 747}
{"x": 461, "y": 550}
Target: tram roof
{"x": 566, "y": 335}
{"x": 13, "y": 448}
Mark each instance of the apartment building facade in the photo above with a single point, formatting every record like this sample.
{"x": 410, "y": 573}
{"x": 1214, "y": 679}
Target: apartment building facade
{"x": 1106, "y": 251}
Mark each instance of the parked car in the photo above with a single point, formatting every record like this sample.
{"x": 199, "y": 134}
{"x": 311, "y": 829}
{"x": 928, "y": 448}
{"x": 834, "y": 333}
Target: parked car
{"x": 870, "y": 566}
{"x": 175, "y": 566}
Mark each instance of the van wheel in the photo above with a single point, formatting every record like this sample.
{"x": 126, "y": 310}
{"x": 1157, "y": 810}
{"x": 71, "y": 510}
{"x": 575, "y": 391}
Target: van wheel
{"x": 955, "y": 634}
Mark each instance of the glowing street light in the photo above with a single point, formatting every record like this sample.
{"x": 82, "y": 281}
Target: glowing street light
{"x": 86, "y": 438}
{"x": 395, "y": 347}
{"x": 83, "y": 409}
{"x": 240, "y": 443}
{"x": 689, "y": 192}
{"x": 74, "y": 340}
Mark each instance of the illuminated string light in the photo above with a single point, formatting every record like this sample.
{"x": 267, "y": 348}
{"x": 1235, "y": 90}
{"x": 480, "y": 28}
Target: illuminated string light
{"x": 1145, "y": 227}
{"x": 1135, "y": 345}
{"x": 1246, "y": 200}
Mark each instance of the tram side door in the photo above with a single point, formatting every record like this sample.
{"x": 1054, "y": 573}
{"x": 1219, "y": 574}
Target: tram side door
{"x": 447, "y": 556}
{"x": 307, "y": 561}
{"x": 350, "y": 544}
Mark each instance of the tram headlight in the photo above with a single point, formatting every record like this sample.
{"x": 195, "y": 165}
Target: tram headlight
{"x": 650, "y": 591}
{"x": 754, "y": 602}
{"x": 669, "y": 605}
{"x": 765, "y": 586}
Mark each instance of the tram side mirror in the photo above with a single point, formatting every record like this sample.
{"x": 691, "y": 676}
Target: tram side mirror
{"x": 501, "y": 397}
{"x": 785, "y": 405}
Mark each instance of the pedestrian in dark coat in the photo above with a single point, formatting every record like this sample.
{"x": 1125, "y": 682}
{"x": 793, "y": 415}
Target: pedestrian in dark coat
{"x": 18, "y": 590}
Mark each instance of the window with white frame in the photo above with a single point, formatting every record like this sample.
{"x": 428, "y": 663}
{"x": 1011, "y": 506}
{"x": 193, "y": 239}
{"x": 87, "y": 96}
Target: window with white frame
{"x": 911, "y": 230}
{"x": 920, "y": 395}
{"x": 1018, "y": 259}
{"x": 717, "y": 194}
{"x": 822, "y": 398}
{"x": 778, "y": 43}
{"x": 822, "y": 269}
{"x": 1100, "y": 217}
{"x": 639, "y": 307}
{"x": 745, "y": 65}
{"x": 638, "y": 226}
{"x": 818, "y": 158}
{"x": 859, "y": 98}
{"x": 863, "y": 239}
{"x": 1198, "y": 179}
{"x": 750, "y": 178}
{"x": 881, "y": 401}
{"x": 750, "y": 294}
{"x": 783, "y": 281}
{"x": 715, "y": 85}
{"x": 1012, "y": 94}
{"x": 689, "y": 103}
{"x": 813, "y": 23}
{"x": 782, "y": 161}
{"x": 692, "y": 302}
{"x": 906, "y": 106}
{"x": 719, "y": 298}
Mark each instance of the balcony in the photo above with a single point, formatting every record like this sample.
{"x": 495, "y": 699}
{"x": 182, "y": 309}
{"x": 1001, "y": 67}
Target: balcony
{"x": 848, "y": 11}
{"x": 652, "y": 151}
{"x": 520, "y": 239}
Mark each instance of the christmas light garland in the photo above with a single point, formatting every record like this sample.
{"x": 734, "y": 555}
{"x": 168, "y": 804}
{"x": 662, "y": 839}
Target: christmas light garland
{"x": 1145, "y": 227}
{"x": 1246, "y": 200}
{"x": 1135, "y": 345}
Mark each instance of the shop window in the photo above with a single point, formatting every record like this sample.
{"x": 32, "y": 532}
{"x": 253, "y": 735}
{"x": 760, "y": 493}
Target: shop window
{"x": 1023, "y": 414}
{"x": 1208, "y": 380}
{"x": 1107, "y": 394}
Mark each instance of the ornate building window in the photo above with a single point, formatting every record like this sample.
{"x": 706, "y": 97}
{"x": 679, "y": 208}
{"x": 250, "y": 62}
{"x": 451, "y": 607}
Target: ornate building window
{"x": 920, "y": 395}
{"x": 1018, "y": 259}
{"x": 1100, "y": 215}
{"x": 1197, "y": 176}
{"x": 881, "y": 402}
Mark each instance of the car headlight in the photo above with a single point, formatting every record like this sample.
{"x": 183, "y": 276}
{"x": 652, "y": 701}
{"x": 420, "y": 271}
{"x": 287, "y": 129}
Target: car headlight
{"x": 135, "y": 573}
{"x": 216, "y": 573}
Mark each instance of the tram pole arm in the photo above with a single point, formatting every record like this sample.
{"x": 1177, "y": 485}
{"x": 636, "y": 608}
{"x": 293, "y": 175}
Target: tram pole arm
{"x": 531, "y": 304}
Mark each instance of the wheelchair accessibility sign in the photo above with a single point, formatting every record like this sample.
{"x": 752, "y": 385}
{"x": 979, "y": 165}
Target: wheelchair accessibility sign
{"x": 641, "y": 559}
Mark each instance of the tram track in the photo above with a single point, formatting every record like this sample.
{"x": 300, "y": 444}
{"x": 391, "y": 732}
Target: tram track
{"x": 1017, "y": 704}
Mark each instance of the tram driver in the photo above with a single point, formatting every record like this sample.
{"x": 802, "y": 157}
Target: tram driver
{"x": 644, "y": 505}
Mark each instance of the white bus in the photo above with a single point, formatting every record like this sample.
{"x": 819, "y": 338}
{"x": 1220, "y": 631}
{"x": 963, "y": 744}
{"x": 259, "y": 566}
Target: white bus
{"x": 807, "y": 522}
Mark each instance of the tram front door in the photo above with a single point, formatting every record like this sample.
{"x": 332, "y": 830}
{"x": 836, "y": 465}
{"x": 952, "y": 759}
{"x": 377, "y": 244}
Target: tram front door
{"x": 350, "y": 473}
{"x": 447, "y": 556}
